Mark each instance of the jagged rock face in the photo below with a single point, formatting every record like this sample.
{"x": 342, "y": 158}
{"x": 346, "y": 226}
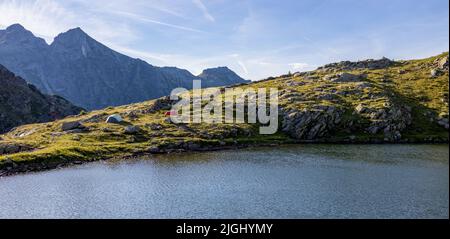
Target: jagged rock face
{"x": 367, "y": 64}
{"x": 310, "y": 124}
{"x": 21, "y": 103}
{"x": 442, "y": 63}
{"x": 441, "y": 66}
{"x": 24, "y": 54}
{"x": 320, "y": 121}
{"x": 315, "y": 120}
{"x": 390, "y": 120}
{"x": 90, "y": 74}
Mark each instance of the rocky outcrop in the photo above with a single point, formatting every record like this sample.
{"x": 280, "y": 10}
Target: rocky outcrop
{"x": 163, "y": 103}
{"x": 367, "y": 64}
{"x": 441, "y": 66}
{"x": 12, "y": 148}
{"x": 390, "y": 121}
{"x": 319, "y": 122}
{"x": 132, "y": 129}
{"x": 344, "y": 77}
{"x": 442, "y": 63}
{"x": 66, "y": 126}
{"x": 311, "y": 124}
{"x": 21, "y": 103}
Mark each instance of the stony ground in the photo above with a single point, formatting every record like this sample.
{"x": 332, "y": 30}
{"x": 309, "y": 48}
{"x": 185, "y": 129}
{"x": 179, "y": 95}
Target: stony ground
{"x": 372, "y": 101}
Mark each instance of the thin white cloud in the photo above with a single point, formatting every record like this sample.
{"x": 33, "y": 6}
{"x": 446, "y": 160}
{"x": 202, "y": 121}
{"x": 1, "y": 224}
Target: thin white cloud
{"x": 145, "y": 19}
{"x": 163, "y": 9}
{"x": 46, "y": 18}
{"x": 204, "y": 9}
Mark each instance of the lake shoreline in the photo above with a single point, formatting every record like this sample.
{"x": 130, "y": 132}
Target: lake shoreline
{"x": 12, "y": 168}
{"x": 383, "y": 181}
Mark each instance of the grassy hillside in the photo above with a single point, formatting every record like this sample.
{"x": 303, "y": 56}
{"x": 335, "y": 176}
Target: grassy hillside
{"x": 377, "y": 101}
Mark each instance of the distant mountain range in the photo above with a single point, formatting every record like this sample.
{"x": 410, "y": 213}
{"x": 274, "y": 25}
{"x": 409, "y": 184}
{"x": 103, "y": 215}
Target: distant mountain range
{"x": 91, "y": 75}
{"x": 21, "y": 103}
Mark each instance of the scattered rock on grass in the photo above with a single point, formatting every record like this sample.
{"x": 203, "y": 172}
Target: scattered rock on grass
{"x": 154, "y": 150}
{"x": 345, "y": 77}
{"x": 66, "y": 126}
{"x": 132, "y": 129}
{"x": 12, "y": 148}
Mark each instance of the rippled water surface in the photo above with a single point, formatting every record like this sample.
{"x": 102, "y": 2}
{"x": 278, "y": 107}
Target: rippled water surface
{"x": 310, "y": 181}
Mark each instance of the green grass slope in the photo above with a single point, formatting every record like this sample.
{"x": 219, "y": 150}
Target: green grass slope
{"x": 402, "y": 101}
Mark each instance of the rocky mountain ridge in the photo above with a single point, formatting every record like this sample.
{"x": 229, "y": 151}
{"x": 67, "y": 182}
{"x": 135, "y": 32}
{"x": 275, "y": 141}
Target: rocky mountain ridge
{"x": 90, "y": 74}
{"x": 224, "y": 74}
{"x": 22, "y": 103}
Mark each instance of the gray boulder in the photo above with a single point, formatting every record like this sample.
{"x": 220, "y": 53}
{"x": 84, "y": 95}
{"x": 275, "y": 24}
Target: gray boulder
{"x": 363, "y": 85}
{"x": 294, "y": 83}
{"x": 132, "y": 129}
{"x": 66, "y": 126}
{"x": 435, "y": 73}
{"x": 12, "y": 148}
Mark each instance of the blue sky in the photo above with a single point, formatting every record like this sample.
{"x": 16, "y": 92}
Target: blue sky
{"x": 255, "y": 38}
